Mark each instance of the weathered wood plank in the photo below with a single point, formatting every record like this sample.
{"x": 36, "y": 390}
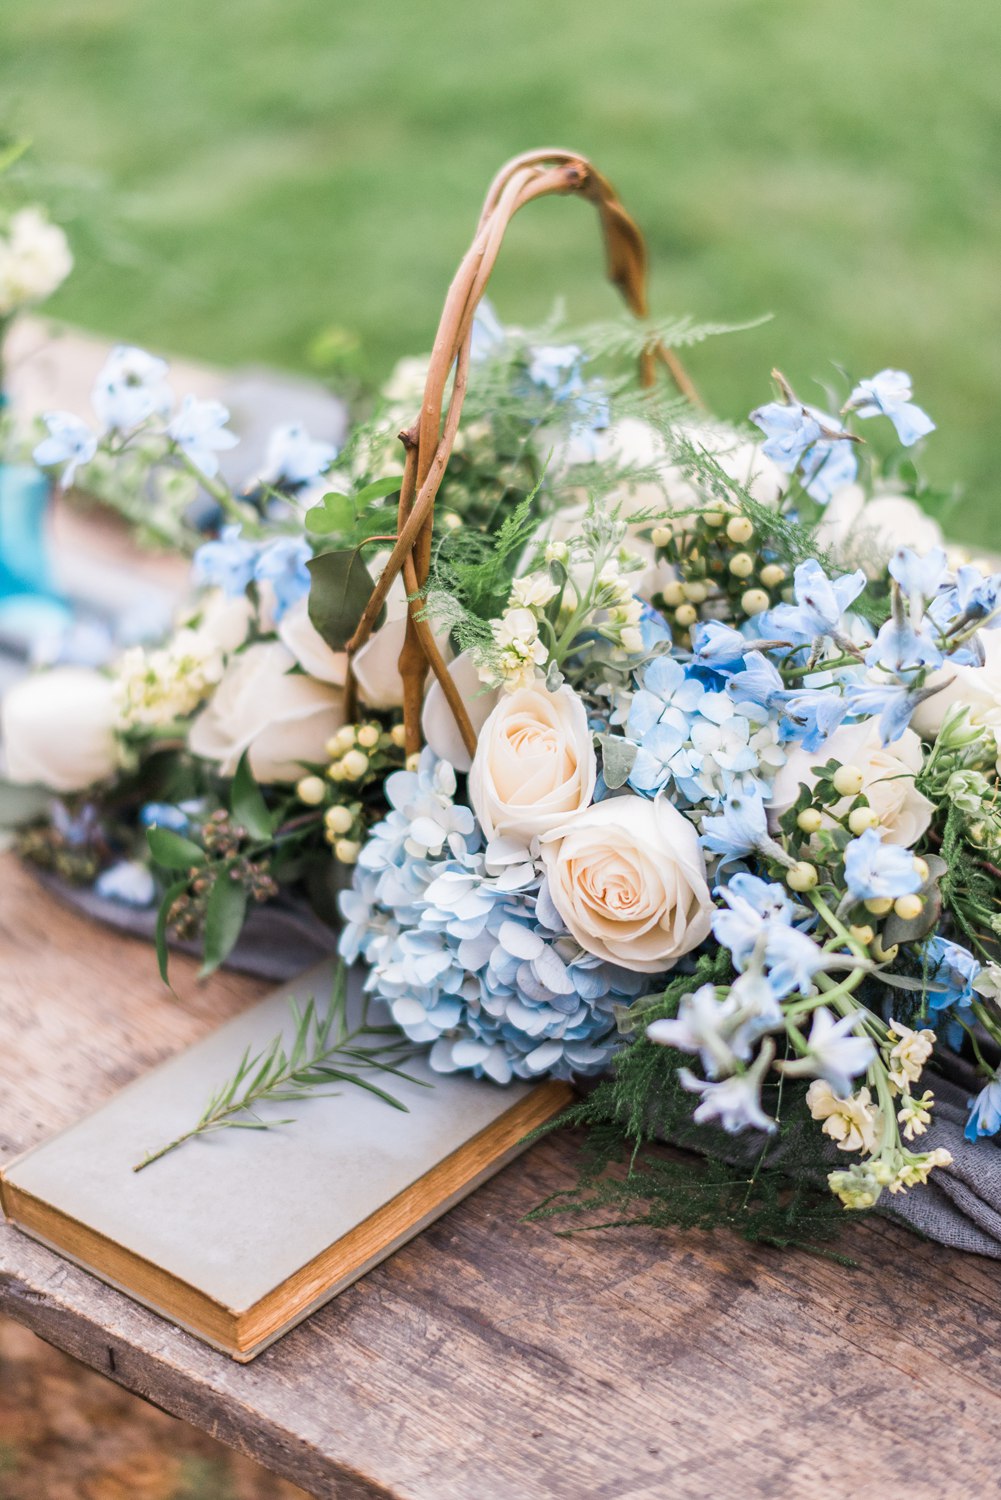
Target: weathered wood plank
{"x": 493, "y": 1358}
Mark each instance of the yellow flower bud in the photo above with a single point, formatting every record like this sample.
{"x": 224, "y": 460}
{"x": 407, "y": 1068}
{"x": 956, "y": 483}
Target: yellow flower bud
{"x": 413, "y": 760}
{"x": 921, "y": 868}
{"x": 398, "y": 735}
{"x": 772, "y": 574}
{"x": 848, "y": 781}
{"x": 713, "y": 518}
{"x": 811, "y": 820}
{"x": 863, "y": 934}
{"x": 685, "y": 615}
{"x": 802, "y": 877}
{"x": 883, "y": 955}
{"x": 861, "y": 818}
{"x": 661, "y": 536}
{"x": 878, "y": 905}
{"x": 908, "y": 907}
{"x": 347, "y": 851}
{"x": 753, "y": 601}
{"x": 336, "y": 772}
{"x": 696, "y": 591}
{"x": 311, "y": 791}
{"x": 674, "y": 594}
{"x": 739, "y": 529}
{"x": 368, "y": 736}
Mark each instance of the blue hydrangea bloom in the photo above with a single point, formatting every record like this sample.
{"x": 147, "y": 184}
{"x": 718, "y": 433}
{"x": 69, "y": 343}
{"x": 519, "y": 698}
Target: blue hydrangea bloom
{"x": 467, "y": 948}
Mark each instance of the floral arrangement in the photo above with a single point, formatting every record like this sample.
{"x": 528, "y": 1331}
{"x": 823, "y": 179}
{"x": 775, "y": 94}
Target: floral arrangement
{"x": 729, "y": 834}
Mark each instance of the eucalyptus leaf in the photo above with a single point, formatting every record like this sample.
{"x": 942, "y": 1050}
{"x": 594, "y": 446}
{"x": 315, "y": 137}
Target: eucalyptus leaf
{"x": 247, "y": 804}
{"x": 340, "y": 589}
{"x": 172, "y": 851}
{"x": 224, "y": 916}
{"x": 618, "y": 756}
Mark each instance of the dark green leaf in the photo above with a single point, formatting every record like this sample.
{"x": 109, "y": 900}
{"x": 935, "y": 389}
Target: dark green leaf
{"x": 170, "y": 895}
{"x": 224, "y": 914}
{"x": 247, "y": 803}
{"x": 173, "y": 852}
{"x": 378, "y": 488}
{"x": 335, "y": 513}
{"x": 340, "y": 589}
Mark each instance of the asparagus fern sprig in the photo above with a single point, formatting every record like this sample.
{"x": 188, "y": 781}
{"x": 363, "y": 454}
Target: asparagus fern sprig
{"x": 326, "y": 1049}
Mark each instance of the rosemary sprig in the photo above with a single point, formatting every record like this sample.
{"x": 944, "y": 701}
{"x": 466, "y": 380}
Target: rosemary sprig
{"x": 326, "y": 1049}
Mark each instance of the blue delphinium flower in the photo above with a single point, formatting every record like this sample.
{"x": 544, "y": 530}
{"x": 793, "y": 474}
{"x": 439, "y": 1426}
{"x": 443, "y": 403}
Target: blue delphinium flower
{"x": 740, "y": 827}
{"x": 985, "y": 1112}
{"x": 903, "y": 646}
{"x": 70, "y": 442}
{"x": 920, "y": 575}
{"x": 888, "y": 394}
{"x": 467, "y": 948}
{"x": 199, "y": 430}
{"x": 757, "y": 924}
{"x": 131, "y": 388}
{"x": 820, "y": 603}
{"x": 874, "y": 870}
{"x": 801, "y": 437}
{"x": 282, "y": 563}
{"x": 294, "y": 458}
{"x": 227, "y": 563}
{"x": 953, "y": 970}
{"x": 892, "y": 703}
{"x": 557, "y": 368}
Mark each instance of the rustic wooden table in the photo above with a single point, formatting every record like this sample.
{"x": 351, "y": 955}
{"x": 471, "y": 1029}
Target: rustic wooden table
{"x": 491, "y": 1358}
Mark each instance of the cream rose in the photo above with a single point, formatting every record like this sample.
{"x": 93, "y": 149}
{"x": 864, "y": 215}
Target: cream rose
{"x": 281, "y": 717}
{"x": 297, "y": 632}
{"x": 534, "y": 763}
{"x": 629, "y": 879}
{"x": 868, "y": 532}
{"x": 975, "y": 688}
{"x": 887, "y": 779}
{"x": 57, "y": 729}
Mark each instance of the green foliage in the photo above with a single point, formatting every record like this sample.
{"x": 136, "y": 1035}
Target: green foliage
{"x": 247, "y": 804}
{"x": 970, "y": 890}
{"x": 773, "y": 1192}
{"x": 326, "y": 1049}
{"x": 475, "y": 570}
{"x": 225, "y": 912}
{"x": 340, "y": 588}
{"x": 172, "y": 851}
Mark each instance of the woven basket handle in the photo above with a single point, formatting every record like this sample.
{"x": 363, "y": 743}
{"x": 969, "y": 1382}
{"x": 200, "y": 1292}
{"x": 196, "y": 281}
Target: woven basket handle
{"x": 428, "y": 443}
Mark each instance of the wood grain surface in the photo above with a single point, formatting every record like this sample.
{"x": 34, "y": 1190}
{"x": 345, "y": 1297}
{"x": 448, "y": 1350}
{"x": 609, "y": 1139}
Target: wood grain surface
{"x": 492, "y": 1358}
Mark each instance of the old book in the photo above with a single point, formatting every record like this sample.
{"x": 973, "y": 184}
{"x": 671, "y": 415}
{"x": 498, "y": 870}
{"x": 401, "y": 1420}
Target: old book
{"x": 239, "y": 1235}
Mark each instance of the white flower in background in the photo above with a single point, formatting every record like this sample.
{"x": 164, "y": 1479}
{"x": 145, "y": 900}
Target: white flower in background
{"x": 865, "y": 533}
{"x": 294, "y": 458}
{"x": 628, "y": 878}
{"x": 35, "y": 258}
{"x": 888, "y": 783}
{"x": 520, "y": 653}
{"x": 534, "y": 591}
{"x": 70, "y": 442}
{"x": 222, "y": 619}
{"x": 131, "y": 387}
{"x": 199, "y": 430}
{"x": 910, "y": 1052}
{"x": 58, "y": 729}
{"x": 159, "y": 686}
{"x": 297, "y": 631}
{"x": 263, "y": 706}
{"x": 853, "y": 1123}
{"x": 975, "y": 688}
{"x": 534, "y": 763}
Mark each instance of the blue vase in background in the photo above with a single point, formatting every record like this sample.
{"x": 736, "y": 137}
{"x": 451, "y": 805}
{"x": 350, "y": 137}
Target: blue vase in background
{"x": 29, "y": 603}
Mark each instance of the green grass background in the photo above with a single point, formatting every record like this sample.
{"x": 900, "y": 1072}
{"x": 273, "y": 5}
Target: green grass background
{"x": 285, "y": 166}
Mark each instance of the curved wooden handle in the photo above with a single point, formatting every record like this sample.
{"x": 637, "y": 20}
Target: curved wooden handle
{"x": 536, "y": 174}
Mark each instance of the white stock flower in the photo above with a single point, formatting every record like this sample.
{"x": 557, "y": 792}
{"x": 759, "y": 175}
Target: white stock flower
{"x": 34, "y": 259}
{"x": 534, "y": 763}
{"x": 853, "y": 1123}
{"x": 58, "y": 729}
{"x": 158, "y": 687}
{"x": 520, "y": 653}
{"x": 628, "y": 878}
{"x": 888, "y": 773}
{"x": 262, "y": 706}
{"x": 866, "y": 533}
{"x": 534, "y": 591}
{"x": 910, "y": 1052}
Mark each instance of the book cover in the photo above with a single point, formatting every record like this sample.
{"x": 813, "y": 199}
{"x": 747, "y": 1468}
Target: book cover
{"x": 238, "y": 1235}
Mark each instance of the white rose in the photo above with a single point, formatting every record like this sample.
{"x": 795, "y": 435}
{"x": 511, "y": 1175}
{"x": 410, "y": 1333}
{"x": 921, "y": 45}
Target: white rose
{"x": 225, "y": 621}
{"x": 866, "y": 533}
{"x": 534, "y": 763}
{"x": 976, "y": 688}
{"x": 281, "y": 717}
{"x": 441, "y": 732}
{"x": 629, "y": 880}
{"x": 58, "y": 729}
{"x": 297, "y": 631}
{"x": 887, "y": 779}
